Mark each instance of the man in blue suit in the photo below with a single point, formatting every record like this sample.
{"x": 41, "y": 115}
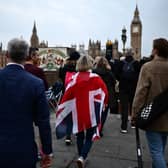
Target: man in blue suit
{"x": 22, "y": 103}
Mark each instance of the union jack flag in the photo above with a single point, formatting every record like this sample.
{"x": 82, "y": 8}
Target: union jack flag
{"x": 82, "y": 104}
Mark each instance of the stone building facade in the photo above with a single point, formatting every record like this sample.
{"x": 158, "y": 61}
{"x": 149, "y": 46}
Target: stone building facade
{"x": 3, "y": 58}
{"x": 94, "y": 48}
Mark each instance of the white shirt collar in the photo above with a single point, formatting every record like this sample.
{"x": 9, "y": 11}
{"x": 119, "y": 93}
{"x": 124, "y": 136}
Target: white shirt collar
{"x": 13, "y": 63}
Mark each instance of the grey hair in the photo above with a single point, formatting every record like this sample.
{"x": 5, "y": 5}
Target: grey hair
{"x": 18, "y": 50}
{"x": 129, "y": 52}
{"x": 84, "y": 63}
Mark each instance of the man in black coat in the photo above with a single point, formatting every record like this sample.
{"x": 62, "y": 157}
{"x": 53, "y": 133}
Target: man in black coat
{"x": 128, "y": 77}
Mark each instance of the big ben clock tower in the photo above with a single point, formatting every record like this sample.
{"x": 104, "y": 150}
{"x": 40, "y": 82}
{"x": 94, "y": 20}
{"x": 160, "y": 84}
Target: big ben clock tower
{"x": 136, "y": 34}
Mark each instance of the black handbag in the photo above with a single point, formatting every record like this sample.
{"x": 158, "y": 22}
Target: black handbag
{"x": 150, "y": 112}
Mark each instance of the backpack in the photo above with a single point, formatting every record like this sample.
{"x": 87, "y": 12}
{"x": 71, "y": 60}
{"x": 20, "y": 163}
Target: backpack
{"x": 128, "y": 71}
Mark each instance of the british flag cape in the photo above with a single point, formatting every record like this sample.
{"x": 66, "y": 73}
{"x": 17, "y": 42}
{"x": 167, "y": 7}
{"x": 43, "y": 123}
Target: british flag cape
{"x": 82, "y": 104}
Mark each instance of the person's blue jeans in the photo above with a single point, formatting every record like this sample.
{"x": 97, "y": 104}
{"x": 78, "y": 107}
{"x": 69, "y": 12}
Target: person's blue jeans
{"x": 84, "y": 142}
{"x": 69, "y": 126}
{"x": 157, "y": 142}
{"x": 104, "y": 115}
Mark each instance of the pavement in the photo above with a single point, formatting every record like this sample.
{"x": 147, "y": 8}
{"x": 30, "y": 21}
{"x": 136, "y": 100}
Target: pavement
{"x": 113, "y": 150}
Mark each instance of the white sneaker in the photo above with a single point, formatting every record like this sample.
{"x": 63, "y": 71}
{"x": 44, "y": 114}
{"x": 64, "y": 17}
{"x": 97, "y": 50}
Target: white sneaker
{"x": 80, "y": 162}
{"x": 129, "y": 118}
{"x": 123, "y": 131}
{"x": 118, "y": 116}
{"x": 133, "y": 127}
{"x": 68, "y": 142}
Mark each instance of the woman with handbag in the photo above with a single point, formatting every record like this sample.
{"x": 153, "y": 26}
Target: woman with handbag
{"x": 152, "y": 81}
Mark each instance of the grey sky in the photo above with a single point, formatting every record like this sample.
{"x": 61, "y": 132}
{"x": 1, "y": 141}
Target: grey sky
{"x": 66, "y": 22}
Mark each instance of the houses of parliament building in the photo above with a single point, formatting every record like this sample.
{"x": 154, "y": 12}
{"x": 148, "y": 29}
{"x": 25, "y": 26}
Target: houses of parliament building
{"x": 52, "y": 58}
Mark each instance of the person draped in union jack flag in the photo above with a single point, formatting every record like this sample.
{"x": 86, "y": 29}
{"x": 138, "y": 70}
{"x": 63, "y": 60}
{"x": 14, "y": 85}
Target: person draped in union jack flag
{"x": 84, "y": 99}
{"x": 65, "y": 74}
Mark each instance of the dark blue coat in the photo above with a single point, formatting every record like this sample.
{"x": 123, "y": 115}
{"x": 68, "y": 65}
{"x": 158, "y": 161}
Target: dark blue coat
{"x": 22, "y": 102}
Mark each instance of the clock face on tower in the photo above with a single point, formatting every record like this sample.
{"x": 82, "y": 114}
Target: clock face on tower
{"x": 135, "y": 29}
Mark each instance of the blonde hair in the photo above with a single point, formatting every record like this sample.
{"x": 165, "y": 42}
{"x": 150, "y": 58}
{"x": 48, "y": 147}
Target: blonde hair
{"x": 84, "y": 63}
{"x": 103, "y": 63}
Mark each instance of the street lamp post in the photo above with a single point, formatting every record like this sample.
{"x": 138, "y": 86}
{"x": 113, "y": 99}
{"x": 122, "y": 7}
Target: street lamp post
{"x": 124, "y": 38}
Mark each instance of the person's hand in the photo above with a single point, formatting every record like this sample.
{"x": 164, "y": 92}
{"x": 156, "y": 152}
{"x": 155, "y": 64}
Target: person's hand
{"x": 133, "y": 124}
{"x": 133, "y": 120}
{"x": 117, "y": 86}
{"x": 46, "y": 161}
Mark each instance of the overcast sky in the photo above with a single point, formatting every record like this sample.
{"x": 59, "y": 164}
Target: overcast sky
{"x": 66, "y": 22}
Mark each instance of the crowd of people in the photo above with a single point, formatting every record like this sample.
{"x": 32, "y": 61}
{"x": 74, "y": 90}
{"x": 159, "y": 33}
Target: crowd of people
{"x": 91, "y": 89}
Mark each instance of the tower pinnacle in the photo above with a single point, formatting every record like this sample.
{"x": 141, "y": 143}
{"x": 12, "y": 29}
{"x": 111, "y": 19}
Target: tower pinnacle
{"x": 34, "y": 38}
{"x": 34, "y": 27}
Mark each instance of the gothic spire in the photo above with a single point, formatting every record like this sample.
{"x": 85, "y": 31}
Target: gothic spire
{"x": 136, "y": 13}
{"x": 136, "y": 18}
{"x": 34, "y": 27}
{"x": 34, "y": 38}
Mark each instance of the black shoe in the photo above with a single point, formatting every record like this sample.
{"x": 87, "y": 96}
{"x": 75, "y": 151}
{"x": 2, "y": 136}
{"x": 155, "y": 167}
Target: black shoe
{"x": 101, "y": 134}
{"x": 68, "y": 141}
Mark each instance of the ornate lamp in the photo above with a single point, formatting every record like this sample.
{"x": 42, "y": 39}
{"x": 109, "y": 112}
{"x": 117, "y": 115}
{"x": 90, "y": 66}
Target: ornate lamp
{"x": 124, "y": 38}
